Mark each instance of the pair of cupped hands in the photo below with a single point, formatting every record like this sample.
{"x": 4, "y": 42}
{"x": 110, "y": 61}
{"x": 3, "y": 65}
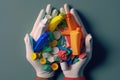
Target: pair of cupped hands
{"x": 75, "y": 70}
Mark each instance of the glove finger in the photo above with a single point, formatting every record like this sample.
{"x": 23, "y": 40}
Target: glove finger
{"x": 41, "y": 27}
{"x": 40, "y": 16}
{"x": 78, "y": 20}
{"x": 48, "y": 9}
{"x": 54, "y": 13}
{"x": 67, "y": 9}
{"x": 28, "y": 44}
{"x": 42, "y": 24}
{"x": 62, "y": 10}
{"x": 88, "y": 45}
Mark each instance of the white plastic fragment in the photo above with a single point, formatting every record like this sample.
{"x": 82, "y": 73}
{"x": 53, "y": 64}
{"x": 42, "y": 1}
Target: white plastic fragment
{"x": 55, "y": 50}
{"x": 57, "y": 34}
{"x": 51, "y": 59}
{"x": 46, "y": 55}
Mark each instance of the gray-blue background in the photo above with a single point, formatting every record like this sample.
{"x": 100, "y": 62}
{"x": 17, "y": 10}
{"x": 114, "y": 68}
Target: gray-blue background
{"x": 101, "y": 18}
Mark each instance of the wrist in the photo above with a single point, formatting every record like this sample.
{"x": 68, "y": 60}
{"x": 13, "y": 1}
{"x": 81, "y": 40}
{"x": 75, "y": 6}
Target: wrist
{"x": 78, "y": 78}
{"x": 40, "y": 78}
{"x": 73, "y": 74}
{"x": 45, "y": 74}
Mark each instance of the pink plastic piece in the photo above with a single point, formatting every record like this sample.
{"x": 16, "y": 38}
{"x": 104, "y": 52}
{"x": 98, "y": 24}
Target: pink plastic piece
{"x": 83, "y": 55}
{"x": 62, "y": 55}
{"x": 67, "y": 37}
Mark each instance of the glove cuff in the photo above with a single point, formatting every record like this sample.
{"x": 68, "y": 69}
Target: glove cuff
{"x": 39, "y": 78}
{"x": 79, "y": 78}
{"x": 45, "y": 74}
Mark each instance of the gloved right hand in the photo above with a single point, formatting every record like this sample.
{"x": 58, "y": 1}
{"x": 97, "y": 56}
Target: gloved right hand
{"x": 38, "y": 29}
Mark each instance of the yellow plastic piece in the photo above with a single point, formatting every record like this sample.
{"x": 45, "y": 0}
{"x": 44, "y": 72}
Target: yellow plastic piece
{"x": 54, "y": 66}
{"x": 55, "y": 21}
{"x": 75, "y": 37}
{"x": 39, "y": 55}
{"x": 43, "y": 61}
{"x": 33, "y": 56}
{"x": 53, "y": 43}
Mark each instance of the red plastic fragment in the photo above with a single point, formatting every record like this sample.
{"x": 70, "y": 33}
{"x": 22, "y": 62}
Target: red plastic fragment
{"x": 83, "y": 55}
{"x": 62, "y": 55}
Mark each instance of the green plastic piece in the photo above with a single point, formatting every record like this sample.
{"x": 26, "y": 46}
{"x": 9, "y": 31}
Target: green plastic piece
{"x": 68, "y": 52}
{"x": 59, "y": 42}
{"x": 47, "y": 49}
{"x": 51, "y": 36}
{"x": 47, "y": 67}
{"x": 75, "y": 60}
{"x": 57, "y": 59}
{"x": 62, "y": 24}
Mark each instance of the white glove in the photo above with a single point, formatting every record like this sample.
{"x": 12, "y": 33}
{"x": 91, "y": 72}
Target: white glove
{"x": 76, "y": 70}
{"x": 36, "y": 32}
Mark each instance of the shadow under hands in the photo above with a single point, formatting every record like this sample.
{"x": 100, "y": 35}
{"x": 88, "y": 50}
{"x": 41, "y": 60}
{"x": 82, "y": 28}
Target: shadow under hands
{"x": 99, "y": 52}
{"x": 57, "y": 73}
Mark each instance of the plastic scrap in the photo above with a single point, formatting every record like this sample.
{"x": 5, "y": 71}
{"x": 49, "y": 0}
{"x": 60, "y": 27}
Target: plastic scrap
{"x": 47, "y": 49}
{"x": 47, "y": 67}
{"x": 40, "y": 43}
{"x": 50, "y": 59}
{"x": 60, "y": 43}
{"x": 75, "y": 37}
{"x": 54, "y": 66}
{"x": 75, "y": 60}
{"x": 62, "y": 55}
{"x": 55, "y": 50}
{"x": 43, "y": 61}
{"x": 33, "y": 56}
{"x": 55, "y": 21}
{"x": 57, "y": 34}
{"x": 83, "y": 55}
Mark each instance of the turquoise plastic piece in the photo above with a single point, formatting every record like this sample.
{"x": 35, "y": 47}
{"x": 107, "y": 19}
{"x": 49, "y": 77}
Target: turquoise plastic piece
{"x": 68, "y": 51}
{"x": 75, "y": 60}
{"x": 57, "y": 59}
{"x": 51, "y": 36}
{"x": 47, "y": 49}
{"x": 47, "y": 68}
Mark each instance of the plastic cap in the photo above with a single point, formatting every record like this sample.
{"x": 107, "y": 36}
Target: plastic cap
{"x": 57, "y": 59}
{"x": 54, "y": 66}
{"x": 33, "y": 56}
{"x": 46, "y": 55}
{"x": 50, "y": 59}
{"x": 43, "y": 61}
{"x": 47, "y": 68}
{"x": 55, "y": 50}
{"x": 53, "y": 43}
{"x": 57, "y": 34}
